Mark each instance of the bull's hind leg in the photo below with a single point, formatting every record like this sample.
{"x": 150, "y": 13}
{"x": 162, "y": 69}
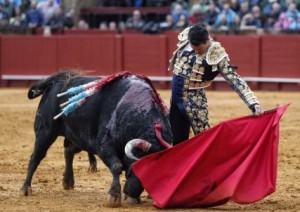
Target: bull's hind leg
{"x": 42, "y": 144}
{"x": 70, "y": 151}
{"x": 111, "y": 160}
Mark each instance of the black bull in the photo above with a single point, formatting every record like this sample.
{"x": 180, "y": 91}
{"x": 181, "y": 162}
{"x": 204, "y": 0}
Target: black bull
{"x": 123, "y": 110}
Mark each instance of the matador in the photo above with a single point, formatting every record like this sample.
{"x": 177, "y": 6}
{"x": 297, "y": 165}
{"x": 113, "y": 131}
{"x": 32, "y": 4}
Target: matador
{"x": 196, "y": 62}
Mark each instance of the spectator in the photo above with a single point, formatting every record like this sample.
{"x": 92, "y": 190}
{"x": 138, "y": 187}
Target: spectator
{"x": 285, "y": 4}
{"x": 276, "y": 10}
{"x": 267, "y": 7}
{"x": 219, "y": 3}
{"x": 258, "y": 16}
{"x": 183, "y": 3}
{"x": 226, "y": 16}
{"x": 204, "y": 4}
{"x": 177, "y": 12}
{"x": 222, "y": 23}
{"x": 57, "y": 21}
{"x": 182, "y": 23}
{"x": 235, "y": 6}
{"x": 69, "y": 18}
{"x": 121, "y": 26}
{"x": 245, "y": 9}
{"x": 103, "y": 26}
{"x": 6, "y": 10}
{"x": 25, "y": 6}
{"x": 262, "y": 4}
{"x": 248, "y": 22}
{"x": 151, "y": 27}
{"x": 253, "y": 2}
{"x": 168, "y": 24}
{"x": 295, "y": 25}
{"x": 270, "y": 15}
{"x": 269, "y": 23}
{"x": 34, "y": 17}
{"x": 47, "y": 8}
{"x": 235, "y": 27}
{"x": 273, "y": 9}
{"x": 112, "y": 26}
{"x": 197, "y": 14}
{"x": 135, "y": 21}
{"x": 18, "y": 20}
{"x": 282, "y": 23}
{"x": 211, "y": 14}
{"x": 82, "y": 25}
{"x": 292, "y": 13}
{"x": 3, "y": 17}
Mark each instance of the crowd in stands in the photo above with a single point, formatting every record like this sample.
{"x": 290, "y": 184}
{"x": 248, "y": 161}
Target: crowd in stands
{"x": 237, "y": 15}
{"x": 218, "y": 15}
{"x": 26, "y": 15}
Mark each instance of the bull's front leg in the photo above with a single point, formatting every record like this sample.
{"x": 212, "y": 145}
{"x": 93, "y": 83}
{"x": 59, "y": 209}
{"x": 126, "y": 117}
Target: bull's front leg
{"x": 112, "y": 161}
{"x": 132, "y": 188}
{"x": 93, "y": 163}
{"x": 68, "y": 176}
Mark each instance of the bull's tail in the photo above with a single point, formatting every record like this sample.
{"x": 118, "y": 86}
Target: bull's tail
{"x": 41, "y": 86}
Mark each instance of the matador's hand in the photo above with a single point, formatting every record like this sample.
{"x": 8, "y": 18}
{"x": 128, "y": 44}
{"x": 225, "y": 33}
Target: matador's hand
{"x": 258, "y": 110}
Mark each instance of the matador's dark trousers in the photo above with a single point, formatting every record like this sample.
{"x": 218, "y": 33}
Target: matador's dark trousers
{"x": 188, "y": 109}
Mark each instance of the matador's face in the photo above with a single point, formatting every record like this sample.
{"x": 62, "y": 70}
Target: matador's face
{"x": 201, "y": 48}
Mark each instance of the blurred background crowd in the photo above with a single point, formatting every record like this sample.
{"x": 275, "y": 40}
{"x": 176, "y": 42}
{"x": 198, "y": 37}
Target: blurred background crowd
{"x": 223, "y": 16}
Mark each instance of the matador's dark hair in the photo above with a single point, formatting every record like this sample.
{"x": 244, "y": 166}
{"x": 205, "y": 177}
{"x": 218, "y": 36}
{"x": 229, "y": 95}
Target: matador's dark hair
{"x": 198, "y": 34}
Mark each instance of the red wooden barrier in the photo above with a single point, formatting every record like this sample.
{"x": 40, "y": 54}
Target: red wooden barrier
{"x": 280, "y": 56}
{"x": 25, "y": 55}
{"x": 32, "y": 56}
{"x": 145, "y": 54}
{"x": 172, "y": 41}
{"x": 244, "y": 51}
{"x": 87, "y": 52}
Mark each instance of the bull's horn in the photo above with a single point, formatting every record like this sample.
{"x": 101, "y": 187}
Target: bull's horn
{"x": 136, "y": 143}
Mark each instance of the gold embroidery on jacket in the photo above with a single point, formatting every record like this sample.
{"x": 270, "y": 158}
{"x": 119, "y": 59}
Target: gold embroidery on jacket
{"x": 237, "y": 83}
{"x": 215, "y": 54}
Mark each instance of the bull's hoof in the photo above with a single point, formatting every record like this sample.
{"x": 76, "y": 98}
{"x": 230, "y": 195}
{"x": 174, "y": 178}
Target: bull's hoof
{"x": 68, "y": 184}
{"x": 114, "y": 201}
{"x": 132, "y": 200}
{"x": 25, "y": 191}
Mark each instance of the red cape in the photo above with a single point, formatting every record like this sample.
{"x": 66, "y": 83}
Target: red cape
{"x": 235, "y": 160}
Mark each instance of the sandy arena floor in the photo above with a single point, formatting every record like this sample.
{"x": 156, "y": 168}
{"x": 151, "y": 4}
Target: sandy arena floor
{"x": 90, "y": 193}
